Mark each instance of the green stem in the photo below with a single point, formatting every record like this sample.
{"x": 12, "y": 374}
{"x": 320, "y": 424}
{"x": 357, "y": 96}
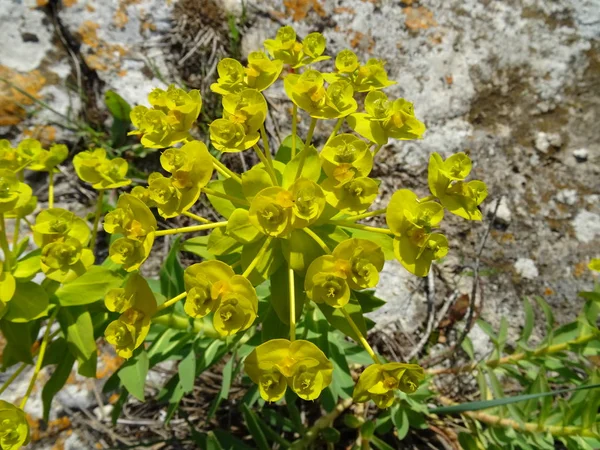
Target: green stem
{"x": 426, "y": 199}
{"x": 191, "y": 229}
{"x": 4, "y": 244}
{"x": 99, "y": 204}
{"x": 292, "y": 295}
{"x": 40, "y": 359}
{"x": 266, "y": 145}
{"x": 377, "y": 212}
{"x": 376, "y": 149}
{"x": 51, "y": 189}
{"x": 358, "y": 226}
{"x": 223, "y": 170}
{"x": 267, "y": 164}
{"x": 232, "y": 199}
{"x": 317, "y": 239}
{"x": 171, "y": 302}
{"x": 13, "y": 377}
{"x": 294, "y": 129}
{"x": 360, "y": 336}
{"x": 336, "y": 128}
{"x": 309, "y": 136}
{"x": 183, "y": 323}
{"x": 258, "y": 257}
{"x": 196, "y": 217}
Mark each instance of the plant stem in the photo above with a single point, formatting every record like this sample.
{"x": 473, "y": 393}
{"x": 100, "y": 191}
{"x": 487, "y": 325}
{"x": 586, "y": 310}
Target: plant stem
{"x": 429, "y": 198}
{"x": 294, "y": 129}
{"x": 376, "y": 149}
{"x": 12, "y": 378}
{"x": 4, "y": 244}
{"x": 191, "y": 229}
{"x": 258, "y": 257}
{"x": 360, "y": 336}
{"x": 321, "y": 424}
{"x": 196, "y": 217}
{"x": 515, "y": 358}
{"x": 267, "y": 164}
{"x": 495, "y": 421}
{"x": 311, "y": 130}
{"x": 317, "y": 239}
{"x": 99, "y": 204}
{"x": 40, "y": 359}
{"x": 358, "y": 226}
{"x": 178, "y": 322}
{"x": 232, "y": 199}
{"x": 172, "y": 301}
{"x": 223, "y": 170}
{"x": 292, "y": 293}
{"x": 336, "y": 128}
{"x": 51, "y": 189}
{"x": 377, "y": 212}
{"x": 266, "y": 146}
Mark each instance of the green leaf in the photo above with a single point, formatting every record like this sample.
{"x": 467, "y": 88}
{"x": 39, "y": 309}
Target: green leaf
{"x": 29, "y": 302}
{"x": 77, "y": 325}
{"x": 487, "y": 329}
{"x": 28, "y": 266}
{"x": 310, "y": 170}
{"x": 502, "y": 334}
{"x": 385, "y": 242}
{"x": 368, "y": 301}
{"x": 118, "y": 107}
{"x": 187, "y": 371}
{"x": 220, "y": 244}
{"x": 225, "y": 386}
{"x": 549, "y": 317}
{"x": 273, "y": 327}
{"x": 198, "y": 246}
{"x": 478, "y": 406}
{"x": 467, "y": 442}
{"x": 400, "y": 420}
{"x": 380, "y": 444}
{"x": 300, "y": 250}
{"x": 254, "y": 428}
{"x": 57, "y": 381}
{"x": 268, "y": 264}
{"x": 467, "y": 346}
{"x": 19, "y": 340}
{"x": 529, "y": 321}
{"x": 133, "y": 374}
{"x": 284, "y": 153}
{"x": 171, "y": 273}
{"x": 336, "y": 318}
{"x": 227, "y": 186}
{"x": 280, "y": 297}
{"x": 89, "y": 287}
{"x": 331, "y": 435}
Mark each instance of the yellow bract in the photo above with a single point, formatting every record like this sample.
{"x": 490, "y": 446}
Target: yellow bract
{"x": 279, "y": 363}
{"x": 346, "y": 157}
{"x": 413, "y": 222}
{"x": 446, "y": 182}
{"x": 363, "y": 78}
{"x": 38, "y": 158}
{"x": 385, "y": 119}
{"x": 13, "y": 193}
{"x": 93, "y": 167}
{"x": 14, "y": 428}
{"x": 594, "y": 264}
{"x": 378, "y": 382}
{"x": 57, "y": 224}
{"x": 65, "y": 260}
{"x": 233, "y": 77}
{"x": 134, "y": 220}
{"x": 288, "y": 50}
{"x": 170, "y": 118}
{"x": 213, "y": 287}
{"x": 12, "y": 159}
{"x": 353, "y": 196}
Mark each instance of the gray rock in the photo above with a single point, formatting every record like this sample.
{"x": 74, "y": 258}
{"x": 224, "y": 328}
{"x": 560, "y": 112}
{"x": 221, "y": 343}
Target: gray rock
{"x": 586, "y": 225}
{"x": 526, "y": 268}
{"x": 581, "y": 154}
{"x": 503, "y": 214}
{"x": 567, "y": 196}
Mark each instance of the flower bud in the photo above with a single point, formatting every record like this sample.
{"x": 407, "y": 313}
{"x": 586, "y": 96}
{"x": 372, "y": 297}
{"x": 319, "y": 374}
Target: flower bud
{"x": 14, "y": 429}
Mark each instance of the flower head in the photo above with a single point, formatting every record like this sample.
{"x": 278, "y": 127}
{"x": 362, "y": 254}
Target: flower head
{"x": 65, "y": 260}
{"x": 378, "y": 382}
{"x": 13, "y": 193}
{"x": 14, "y": 429}
{"x": 93, "y": 167}
{"x": 57, "y": 224}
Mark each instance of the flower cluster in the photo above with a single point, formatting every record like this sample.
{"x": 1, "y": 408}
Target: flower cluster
{"x": 279, "y": 363}
{"x": 14, "y": 430}
{"x": 379, "y": 382}
{"x": 95, "y": 168}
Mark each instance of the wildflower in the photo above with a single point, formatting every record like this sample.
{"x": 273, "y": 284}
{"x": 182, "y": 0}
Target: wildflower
{"x": 14, "y": 429}
{"x": 10, "y": 158}
{"x": 93, "y": 167}
{"x": 279, "y": 363}
{"x": 271, "y": 211}
{"x": 136, "y": 294}
{"x": 65, "y": 260}
{"x": 416, "y": 244}
{"x": 346, "y": 157}
{"x": 296, "y": 54}
{"x": 57, "y": 224}
{"x": 234, "y": 78}
{"x": 379, "y": 382}
{"x": 353, "y": 196}
{"x": 13, "y": 193}
{"x": 446, "y": 182}
{"x": 7, "y": 287}
{"x": 128, "y": 332}
{"x": 365, "y": 260}
{"x": 325, "y": 282}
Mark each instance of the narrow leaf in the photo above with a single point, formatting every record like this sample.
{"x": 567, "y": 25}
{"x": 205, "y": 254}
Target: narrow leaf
{"x": 89, "y": 287}
{"x": 254, "y": 428}
{"x": 133, "y": 374}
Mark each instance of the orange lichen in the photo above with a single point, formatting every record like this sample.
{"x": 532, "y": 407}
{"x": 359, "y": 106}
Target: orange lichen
{"x": 53, "y": 428}
{"x": 121, "y": 18}
{"x": 89, "y": 35}
{"x": 46, "y": 134}
{"x": 108, "y": 365}
{"x": 344, "y": 9}
{"x": 364, "y": 41}
{"x": 299, "y": 9}
{"x": 40, "y": 3}
{"x": 548, "y": 291}
{"x": 449, "y": 79}
{"x": 12, "y": 101}
{"x": 580, "y": 269}
{"x": 419, "y": 18}
{"x": 102, "y": 56}
{"x": 69, "y": 3}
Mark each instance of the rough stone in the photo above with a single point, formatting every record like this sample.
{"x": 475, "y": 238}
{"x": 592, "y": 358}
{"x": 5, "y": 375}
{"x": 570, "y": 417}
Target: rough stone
{"x": 503, "y": 214}
{"x": 581, "y": 154}
{"x": 586, "y": 225}
{"x": 526, "y": 268}
{"x": 567, "y": 196}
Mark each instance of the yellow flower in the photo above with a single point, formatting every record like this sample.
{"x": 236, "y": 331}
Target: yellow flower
{"x": 446, "y": 183}
{"x": 93, "y": 167}
{"x": 365, "y": 260}
{"x": 213, "y": 287}
{"x": 13, "y": 193}
{"x": 412, "y": 221}
{"x": 170, "y": 119}
{"x": 11, "y": 158}
{"x": 136, "y": 294}
{"x": 286, "y": 49}
{"x": 227, "y": 136}
{"x": 14, "y": 429}
{"x": 233, "y": 77}
{"x": 326, "y": 282}
{"x": 308, "y": 202}
{"x": 7, "y": 287}
{"x": 57, "y": 224}
{"x": 385, "y": 119}
{"x": 346, "y": 157}
{"x": 353, "y": 196}
{"x": 190, "y": 165}
{"x": 279, "y": 363}
{"x": 594, "y": 264}
{"x": 65, "y": 260}
{"x": 128, "y": 332}
{"x": 271, "y": 211}
{"x": 247, "y": 108}
{"x": 378, "y": 382}
{"x": 131, "y": 253}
